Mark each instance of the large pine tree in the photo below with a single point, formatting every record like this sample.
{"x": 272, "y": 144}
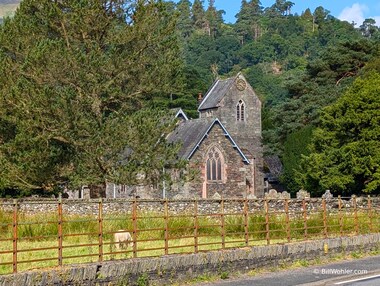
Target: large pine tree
{"x": 73, "y": 73}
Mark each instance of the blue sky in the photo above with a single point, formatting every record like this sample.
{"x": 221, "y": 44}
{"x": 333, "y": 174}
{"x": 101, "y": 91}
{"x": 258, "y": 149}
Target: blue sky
{"x": 348, "y": 10}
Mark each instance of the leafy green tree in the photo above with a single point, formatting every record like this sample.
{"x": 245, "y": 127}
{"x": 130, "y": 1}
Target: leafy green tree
{"x": 369, "y": 28}
{"x": 72, "y": 75}
{"x": 345, "y": 150}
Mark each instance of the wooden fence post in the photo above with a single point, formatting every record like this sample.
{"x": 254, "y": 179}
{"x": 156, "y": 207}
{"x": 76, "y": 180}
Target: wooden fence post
{"x": 134, "y": 225}
{"x": 325, "y": 233}
{"x": 60, "y": 234}
{"x": 246, "y": 233}
{"x": 267, "y": 229}
{"x": 166, "y": 234}
{"x": 356, "y": 215}
{"x": 196, "y": 225}
{"x": 287, "y": 220}
{"x": 340, "y": 217}
{"x": 304, "y": 218}
{"x": 223, "y": 231}
{"x": 15, "y": 236}
{"x": 370, "y": 214}
{"x": 100, "y": 234}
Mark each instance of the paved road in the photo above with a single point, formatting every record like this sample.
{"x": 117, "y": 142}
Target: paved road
{"x": 366, "y": 280}
{"x": 343, "y": 273}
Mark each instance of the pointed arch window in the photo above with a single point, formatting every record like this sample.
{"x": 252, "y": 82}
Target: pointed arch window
{"x": 214, "y": 165}
{"x": 240, "y": 111}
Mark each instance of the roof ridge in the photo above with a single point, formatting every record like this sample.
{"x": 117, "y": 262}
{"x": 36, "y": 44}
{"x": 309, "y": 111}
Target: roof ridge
{"x": 208, "y": 92}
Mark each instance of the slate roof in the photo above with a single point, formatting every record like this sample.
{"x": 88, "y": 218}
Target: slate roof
{"x": 216, "y": 93}
{"x": 191, "y": 133}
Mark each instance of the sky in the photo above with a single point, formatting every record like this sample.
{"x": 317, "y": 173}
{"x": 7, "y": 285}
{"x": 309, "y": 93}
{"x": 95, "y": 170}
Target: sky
{"x": 348, "y": 10}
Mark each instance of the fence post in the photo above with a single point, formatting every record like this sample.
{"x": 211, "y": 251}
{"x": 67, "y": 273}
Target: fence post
{"x": 267, "y": 221}
{"x": 196, "y": 225}
{"x": 100, "y": 234}
{"x": 222, "y": 223}
{"x": 304, "y": 218}
{"x": 166, "y": 227}
{"x": 370, "y": 214}
{"x": 134, "y": 225}
{"x": 340, "y": 215}
{"x": 356, "y": 215}
{"x": 246, "y": 222}
{"x": 325, "y": 233}
{"x": 60, "y": 235}
{"x": 15, "y": 238}
{"x": 287, "y": 220}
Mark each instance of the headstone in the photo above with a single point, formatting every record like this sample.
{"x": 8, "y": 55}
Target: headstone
{"x": 302, "y": 194}
{"x": 327, "y": 195}
{"x": 285, "y": 195}
{"x": 272, "y": 194}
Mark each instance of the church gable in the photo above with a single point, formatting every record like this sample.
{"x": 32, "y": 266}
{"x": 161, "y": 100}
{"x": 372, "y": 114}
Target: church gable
{"x": 224, "y": 169}
{"x": 192, "y": 133}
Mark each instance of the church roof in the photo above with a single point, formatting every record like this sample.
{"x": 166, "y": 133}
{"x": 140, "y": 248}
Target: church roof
{"x": 191, "y": 134}
{"x": 216, "y": 93}
{"x": 179, "y": 113}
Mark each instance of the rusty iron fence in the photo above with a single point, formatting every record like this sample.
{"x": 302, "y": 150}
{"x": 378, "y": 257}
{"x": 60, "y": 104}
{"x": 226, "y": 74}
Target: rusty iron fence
{"x": 51, "y": 233}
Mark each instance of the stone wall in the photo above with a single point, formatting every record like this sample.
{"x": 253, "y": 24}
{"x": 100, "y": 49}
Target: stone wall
{"x": 176, "y": 268}
{"x": 236, "y": 172}
{"x": 276, "y": 204}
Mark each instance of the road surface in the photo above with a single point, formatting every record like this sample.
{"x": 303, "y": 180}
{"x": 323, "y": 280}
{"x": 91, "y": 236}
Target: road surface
{"x": 358, "y": 272}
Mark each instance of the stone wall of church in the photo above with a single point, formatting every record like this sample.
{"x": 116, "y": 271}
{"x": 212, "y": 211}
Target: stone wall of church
{"x": 236, "y": 172}
{"x": 247, "y": 133}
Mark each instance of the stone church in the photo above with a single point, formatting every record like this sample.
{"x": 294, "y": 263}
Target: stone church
{"x": 223, "y": 146}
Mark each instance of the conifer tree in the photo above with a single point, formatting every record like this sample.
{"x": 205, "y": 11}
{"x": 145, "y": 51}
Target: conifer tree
{"x": 73, "y": 73}
{"x": 214, "y": 19}
{"x": 248, "y": 20}
{"x": 199, "y": 15}
{"x": 184, "y": 25}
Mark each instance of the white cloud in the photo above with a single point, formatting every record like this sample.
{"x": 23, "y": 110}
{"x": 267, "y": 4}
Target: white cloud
{"x": 355, "y": 14}
{"x": 377, "y": 19}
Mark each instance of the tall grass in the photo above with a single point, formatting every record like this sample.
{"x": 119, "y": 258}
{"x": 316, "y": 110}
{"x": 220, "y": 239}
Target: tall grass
{"x": 41, "y": 231}
{"x": 153, "y": 225}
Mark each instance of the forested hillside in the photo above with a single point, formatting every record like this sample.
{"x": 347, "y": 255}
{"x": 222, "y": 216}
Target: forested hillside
{"x": 75, "y": 73}
{"x": 298, "y": 64}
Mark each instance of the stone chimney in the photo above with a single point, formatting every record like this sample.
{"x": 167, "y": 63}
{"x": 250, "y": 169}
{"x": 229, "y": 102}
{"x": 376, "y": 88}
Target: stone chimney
{"x": 200, "y": 98}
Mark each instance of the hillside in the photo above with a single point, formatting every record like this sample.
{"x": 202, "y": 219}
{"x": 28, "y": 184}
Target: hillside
{"x": 298, "y": 64}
